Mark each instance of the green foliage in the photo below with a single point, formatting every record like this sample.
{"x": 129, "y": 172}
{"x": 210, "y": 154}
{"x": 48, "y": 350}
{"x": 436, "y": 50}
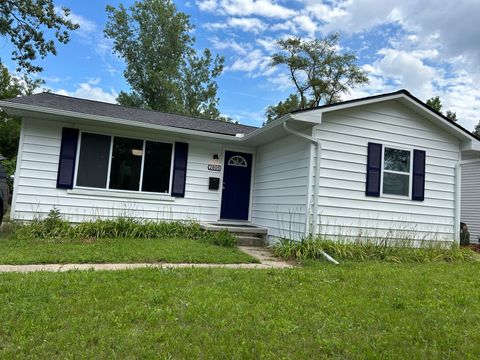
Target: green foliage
{"x": 22, "y": 23}
{"x": 162, "y": 66}
{"x": 476, "y": 131}
{"x": 54, "y": 227}
{"x": 318, "y": 71}
{"x": 10, "y": 87}
{"x": 451, "y": 115}
{"x": 274, "y": 112}
{"x": 436, "y": 104}
{"x": 220, "y": 238}
{"x": 311, "y": 249}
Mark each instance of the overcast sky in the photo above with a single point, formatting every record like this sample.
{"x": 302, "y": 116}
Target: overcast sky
{"x": 429, "y": 47}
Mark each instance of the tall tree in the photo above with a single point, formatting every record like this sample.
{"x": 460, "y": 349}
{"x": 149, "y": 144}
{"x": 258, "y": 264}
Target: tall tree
{"x": 476, "y": 131}
{"x": 12, "y": 86}
{"x": 436, "y": 104}
{"x": 162, "y": 67}
{"x": 23, "y": 23}
{"x": 319, "y": 72}
{"x": 292, "y": 103}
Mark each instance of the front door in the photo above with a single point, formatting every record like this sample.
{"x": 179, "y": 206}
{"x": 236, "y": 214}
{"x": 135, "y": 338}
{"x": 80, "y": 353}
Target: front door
{"x": 236, "y": 186}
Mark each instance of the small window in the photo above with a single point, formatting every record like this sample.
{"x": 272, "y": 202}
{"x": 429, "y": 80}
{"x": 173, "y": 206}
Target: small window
{"x": 93, "y": 161}
{"x": 237, "y": 160}
{"x": 396, "y": 172}
{"x": 126, "y": 164}
{"x": 158, "y": 161}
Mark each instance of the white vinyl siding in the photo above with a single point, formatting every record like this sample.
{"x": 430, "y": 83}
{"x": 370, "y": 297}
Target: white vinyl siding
{"x": 345, "y": 210}
{"x": 281, "y": 179}
{"x": 470, "y": 208}
{"x": 36, "y": 192}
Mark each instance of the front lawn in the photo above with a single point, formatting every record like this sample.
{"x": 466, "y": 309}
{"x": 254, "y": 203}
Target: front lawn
{"x": 351, "y": 311}
{"x": 118, "y": 250}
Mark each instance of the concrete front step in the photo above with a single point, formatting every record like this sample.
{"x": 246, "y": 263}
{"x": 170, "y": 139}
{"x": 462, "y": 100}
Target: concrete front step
{"x": 246, "y": 233}
{"x": 249, "y": 241}
{"x": 235, "y": 228}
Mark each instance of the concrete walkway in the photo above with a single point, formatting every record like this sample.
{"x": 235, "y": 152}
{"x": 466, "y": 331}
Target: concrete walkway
{"x": 263, "y": 254}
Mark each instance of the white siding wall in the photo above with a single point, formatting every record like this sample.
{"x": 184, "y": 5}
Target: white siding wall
{"x": 346, "y": 211}
{"x": 36, "y": 191}
{"x": 470, "y": 208}
{"x": 280, "y": 187}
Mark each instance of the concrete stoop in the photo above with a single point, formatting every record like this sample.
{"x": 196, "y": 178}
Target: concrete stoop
{"x": 246, "y": 233}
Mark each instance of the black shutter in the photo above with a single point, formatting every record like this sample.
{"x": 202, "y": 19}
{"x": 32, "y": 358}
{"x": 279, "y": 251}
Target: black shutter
{"x": 66, "y": 163}
{"x": 374, "y": 169}
{"x": 418, "y": 183}
{"x": 179, "y": 169}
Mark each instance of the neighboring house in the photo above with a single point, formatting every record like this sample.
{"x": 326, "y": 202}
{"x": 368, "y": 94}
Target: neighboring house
{"x": 384, "y": 166}
{"x": 470, "y": 212}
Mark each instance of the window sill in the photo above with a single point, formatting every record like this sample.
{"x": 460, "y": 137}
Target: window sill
{"x": 396, "y": 197}
{"x": 134, "y": 195}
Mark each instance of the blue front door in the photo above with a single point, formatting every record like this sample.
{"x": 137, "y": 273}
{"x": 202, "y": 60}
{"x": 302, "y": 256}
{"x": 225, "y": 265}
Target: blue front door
{"x": 236, "y": 185}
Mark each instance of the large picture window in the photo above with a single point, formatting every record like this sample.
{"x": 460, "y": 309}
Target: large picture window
{"x": 396, "y": 171}
{"x": 120, "y": 163}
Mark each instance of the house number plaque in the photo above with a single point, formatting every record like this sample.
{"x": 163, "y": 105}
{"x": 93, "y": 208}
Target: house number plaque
{"x": 213, "y": 167}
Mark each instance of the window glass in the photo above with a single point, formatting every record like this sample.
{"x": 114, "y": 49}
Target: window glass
{"x": 396, "y": 172}
{"x": 156, "y": 172}
{"x": 396, "y": 184}
{"x": 397, "y": 160}
{"x": 93, "y": 162}
{"x": 126, "y": 164}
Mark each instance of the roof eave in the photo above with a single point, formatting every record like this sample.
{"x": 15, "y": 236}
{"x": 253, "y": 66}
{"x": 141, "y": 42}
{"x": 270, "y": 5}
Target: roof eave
{"x": 32, "y": 110}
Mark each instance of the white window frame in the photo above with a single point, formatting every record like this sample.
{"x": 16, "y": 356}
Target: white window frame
{"x": 107, "y": 188}
{"x": 410, "y": 173}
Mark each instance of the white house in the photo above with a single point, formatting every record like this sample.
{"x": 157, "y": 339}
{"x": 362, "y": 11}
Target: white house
{"x": 384, "y": 166}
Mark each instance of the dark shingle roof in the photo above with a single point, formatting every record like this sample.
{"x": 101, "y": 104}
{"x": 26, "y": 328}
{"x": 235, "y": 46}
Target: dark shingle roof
{"x": 83, "y": 106}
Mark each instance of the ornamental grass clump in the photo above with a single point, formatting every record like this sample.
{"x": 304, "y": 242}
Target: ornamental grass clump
{"x": 311, "y": 249}
{"x": 55, "y": 228}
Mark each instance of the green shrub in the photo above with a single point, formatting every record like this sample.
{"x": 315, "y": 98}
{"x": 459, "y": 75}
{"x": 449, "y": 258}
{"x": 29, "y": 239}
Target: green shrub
{"x": 311, "y": 249}
{"x": 55, "y": 228}
{"x": 220, "y": 238}
{"x": 52, "y": 227}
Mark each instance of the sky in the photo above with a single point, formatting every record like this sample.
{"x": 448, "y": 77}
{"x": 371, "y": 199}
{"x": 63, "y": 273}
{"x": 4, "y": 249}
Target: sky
{"x": 429, "y": 47}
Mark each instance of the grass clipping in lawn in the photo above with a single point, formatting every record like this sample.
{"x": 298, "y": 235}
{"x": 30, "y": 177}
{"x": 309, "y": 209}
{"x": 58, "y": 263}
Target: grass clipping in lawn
{"x": 311, "y": 249}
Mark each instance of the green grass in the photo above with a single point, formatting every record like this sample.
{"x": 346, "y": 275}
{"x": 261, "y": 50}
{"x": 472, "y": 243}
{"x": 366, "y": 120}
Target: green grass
{"x": 352, "y": 311}
{"x": 119, "y": 250}
{"x": 397, "y": 252}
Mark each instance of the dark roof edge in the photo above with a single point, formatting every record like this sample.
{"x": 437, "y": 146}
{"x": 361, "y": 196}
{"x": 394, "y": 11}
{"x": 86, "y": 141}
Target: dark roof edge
{"x": 399, "y": 92}
{"x": 131, "y": 107}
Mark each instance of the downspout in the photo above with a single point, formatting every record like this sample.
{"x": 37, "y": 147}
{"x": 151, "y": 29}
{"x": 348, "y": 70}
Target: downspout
{"x": 318, "y": 146}
{"x": 316, "y": 191}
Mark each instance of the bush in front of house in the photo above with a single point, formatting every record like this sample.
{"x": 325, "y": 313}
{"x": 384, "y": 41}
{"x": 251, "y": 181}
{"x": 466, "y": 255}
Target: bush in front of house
{"x": 311, "y": 249}
{"x": 55, "y": 228}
